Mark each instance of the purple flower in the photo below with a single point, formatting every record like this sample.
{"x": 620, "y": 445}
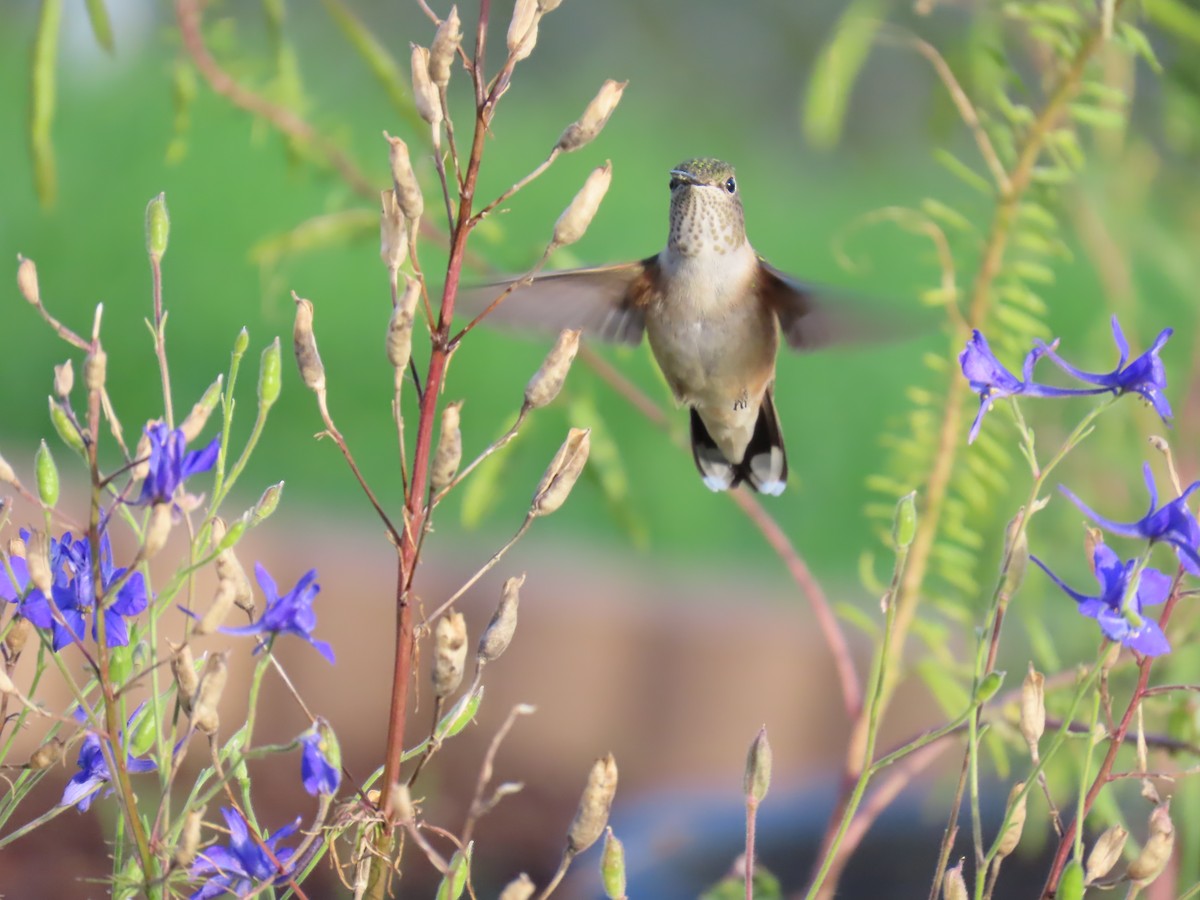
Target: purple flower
{"x": 93, "y": 770}
{"x": 992, "y": 381}
{"x": 169, "y": 464}
{"x": 1119, "y": 607}
{"x": 318, "y": 771}
{"x": 290, "y": 614}
{"x": 1172, "y": 523}
{"x": 245, "y": 863}
{"x": 1144, "y": 376}
{"x": 74, "y": 594}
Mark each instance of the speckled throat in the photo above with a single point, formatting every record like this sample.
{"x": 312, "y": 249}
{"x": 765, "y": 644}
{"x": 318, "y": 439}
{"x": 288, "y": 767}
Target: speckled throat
{"x": 705, "y": 219}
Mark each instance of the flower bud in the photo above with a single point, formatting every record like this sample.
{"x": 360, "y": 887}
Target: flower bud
{"x": 1033, "y": 708}
{"x": 953, "y": 885}
{"x": 547, "y": 381}
{"x": 64, "y": 379}
{"x": 499, "y": 632}
{"x": 585, "y": 129}
{"x": 393, "y": 237}
{"x": 449, "y": 653}
{"x": 1105, "y": 853}
{"x": 1157, "y": 850}
{"x": 312, "y": 370}
{"x": 7, "y": 475}
{"x": 445, "y": 48}
{"x": 400, "y": 328}
{"x": 449, "y": 448}
{"x": 523, "y": 28}
{"x": 904, "y": 523}
{"x": 1016, "y": 821}
{"x": 240, "y": 343}
{"x": 47, "y": 476}
{"x": 270, "y": 375}
{"x": 594, "y": 805}
{"x": 27, "y": 280}
{"x": 520, "y": 888}
{"x": 612, "y": 866}
{"x": 189, "y": 838}
{"x": 562, "y": 473}
{"x": 758, "y": 769}
{"x": 425, "y": 94}
{"x": 1016, "y": 551}
{"x": 158, "y": 226}
{"x": 95, "y": 369}
{"x": 404, "y": 179}
{"x": 47, "y": 755}
{"x": 183, "y": 669}
{"x": 574, "y": 221}
{"x": 205, "y": 717}
{"x": 198, "y": 417}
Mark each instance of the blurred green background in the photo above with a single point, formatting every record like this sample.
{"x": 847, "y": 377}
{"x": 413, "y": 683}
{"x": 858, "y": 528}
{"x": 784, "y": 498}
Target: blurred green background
{"x": 705, "y": 78}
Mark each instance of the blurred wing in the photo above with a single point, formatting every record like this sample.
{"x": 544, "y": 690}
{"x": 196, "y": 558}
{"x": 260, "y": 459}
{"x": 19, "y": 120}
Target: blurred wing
{"x": 814, "y": 317}
{"x": 607, "y": 302}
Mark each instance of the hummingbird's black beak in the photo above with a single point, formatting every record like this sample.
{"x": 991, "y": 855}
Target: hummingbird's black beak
{"x": 680, "y": 176}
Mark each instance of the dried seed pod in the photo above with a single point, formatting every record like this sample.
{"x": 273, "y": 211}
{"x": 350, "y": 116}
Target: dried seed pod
{"x": 449, "y": 448}
{"x": 425, "y": 94}
{"x": 218, "y": 611}
{"x": 548, "y": 380}
{"x": 95, "y": 369}
{"x": 757, "y": 780}
{"x": 1033, "y": 708}
{"x": 585, "y": 129}
{"x": 499, "y": 632}
{"x": 449, "y": 653}
{"x": 64, "y": 379}
{"x": 141, "y": 453}
{"x": 304, "y": 342}
{"x": 1105, "y": 853}
{"x": 393, "y": 236}
{"x": 198, "y": 417}
{"x": 404, "y": 179}
{"x": 7, "y": 475}
{"x": 953, "y": 885}
{"x": 445, "y": 48}
{"x": 520, "y": 888}
{"x": 576, "y": 218}
{"x": 158, "y": 530}
{"x": 189, "y": 838}
{"x": 562, "y": 473}
{"x": 18, "y": 635}
{"x": 1016, "y": 544}
{"x": 400, "y": 328}
{"x": 1016, "y": 822}
{"x": 594, "y": 805}
{"x": 183, "y": 670}
{"x": 37, "y": 561}
{"x": 523, "y": 29}
{"x": 548, "y": 5}
{"x": 27, "y": 280}
{"x": 205, "y": 717}
{"x": 47, "y": 755}
{"x": 1157, "y": 850}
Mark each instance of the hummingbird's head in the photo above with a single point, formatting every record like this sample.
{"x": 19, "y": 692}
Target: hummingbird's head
{"x": 706, "y": 209}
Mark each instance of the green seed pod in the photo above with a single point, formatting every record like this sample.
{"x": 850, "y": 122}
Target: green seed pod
{"x": 988, "y": 687}
{"x": 142, "y": 737}
{"x": 904, "y": 526}
{"x": 240, "y": 343}
{"x": 158, "y": 226}
{"x": 269, "y": 376}
{"x": 1070, "y": 885}
{"x": 612, "y": 866}
{"x": 65, "y": 428}
{"x": 47, "y": 476}
{"x": 757, "y": 780}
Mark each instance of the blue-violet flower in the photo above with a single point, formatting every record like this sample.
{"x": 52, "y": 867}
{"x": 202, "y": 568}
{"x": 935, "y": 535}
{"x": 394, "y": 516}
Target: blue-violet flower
{"x": 245, "y": 863}
{"x": 290, "y": 614}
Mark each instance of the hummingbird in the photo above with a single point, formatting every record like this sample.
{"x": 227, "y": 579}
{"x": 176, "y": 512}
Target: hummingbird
{"x": 713, "y": 311}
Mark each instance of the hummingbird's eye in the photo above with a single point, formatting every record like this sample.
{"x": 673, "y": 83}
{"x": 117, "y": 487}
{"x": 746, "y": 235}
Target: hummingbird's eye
{"x": 731, "y": 186}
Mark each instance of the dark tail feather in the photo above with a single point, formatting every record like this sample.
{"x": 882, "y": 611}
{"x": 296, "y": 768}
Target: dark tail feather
{"x": 764, "y": 466}
{"x": 717, "y": 471}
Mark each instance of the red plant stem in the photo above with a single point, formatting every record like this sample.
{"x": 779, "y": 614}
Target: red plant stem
{"x": 415, "y": 509}
{"x": 1067, "y": 841}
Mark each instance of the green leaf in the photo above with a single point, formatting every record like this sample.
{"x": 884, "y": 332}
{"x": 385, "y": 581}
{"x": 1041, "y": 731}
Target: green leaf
{"x": 42, "y": 98}
{"x": 1097, "y": 116}
{"x": 949, "y": 693}
{"x": 836, "y": 70}
{"x": 318, "y": 233}
{"x": 607, "y": 469}
{"x": 482, "y": 489}
{"x": 963, "y": 172}
{"x": 101, "y": 25}
{"x": 454, "y": 882}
